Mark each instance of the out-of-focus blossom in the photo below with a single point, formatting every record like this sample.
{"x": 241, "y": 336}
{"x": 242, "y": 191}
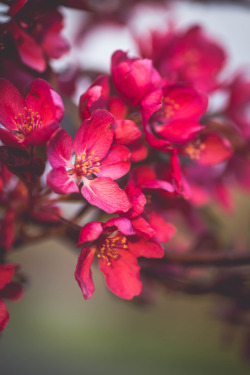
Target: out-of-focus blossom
{"x": 188, "y": 56}
{"x": 31, "y": 121}
{"x": 133, "y": 78}
{"x": 33, "y": 33}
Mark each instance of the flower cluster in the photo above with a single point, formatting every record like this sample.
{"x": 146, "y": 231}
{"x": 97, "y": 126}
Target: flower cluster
{"x": 147, "y": 157}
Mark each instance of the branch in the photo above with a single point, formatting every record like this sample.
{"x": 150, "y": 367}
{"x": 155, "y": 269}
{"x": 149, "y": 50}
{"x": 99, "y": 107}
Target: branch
{"x": 223, "y": 259}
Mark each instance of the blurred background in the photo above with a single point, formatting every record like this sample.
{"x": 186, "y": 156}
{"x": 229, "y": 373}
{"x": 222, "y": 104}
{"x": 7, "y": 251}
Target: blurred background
{"x": 54, "y": 331}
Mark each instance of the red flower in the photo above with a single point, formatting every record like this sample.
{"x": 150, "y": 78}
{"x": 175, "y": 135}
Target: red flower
{"x": 186, "y": 56}
{"x": 35, "y": 29}
{"x": 173, "y": 114}
{"x": 33, "y": 120}
{"x": 97, "y": 163}
{"x": 117, "y": 246}
{"x": 133, "y": 78}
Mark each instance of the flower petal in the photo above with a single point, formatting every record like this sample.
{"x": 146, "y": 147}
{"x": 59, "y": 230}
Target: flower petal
{"x": 83, "y": 273}
{"x": 143, "y": 228}
{"x": 164, "y": 230}
{"x": 30, "y": 52}
{"x": 179, "y": 131}
{"x": 6, "y": 273}
{"x": 122, "y": 224}
{"x": 4, "y": 316}
{"x": 40, "y": 135}
{"x": 216, "y": 150}
{"x": 122, "y": 275}
{"x": 116, "y": 163}
{"x": 146, "y": 248}
{"x": 60, "y": 149}
{"x": 10, "y": 139}
{"x": 126, "y": 132}
{"x": 11, "y": 104}
{"x": 137, "y": 199}
{"x": 44, "y": 100}
{"x": 90, "y": 232}
{"x": 95, "y": 135}
{"x": 60, "y": 182}
{"x": 105, "y": 193}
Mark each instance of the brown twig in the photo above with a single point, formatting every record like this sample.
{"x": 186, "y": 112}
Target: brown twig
{"x": 209, "y": 259}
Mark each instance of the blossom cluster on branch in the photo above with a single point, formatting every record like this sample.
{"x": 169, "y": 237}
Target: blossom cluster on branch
{"x": 150, "y": 153}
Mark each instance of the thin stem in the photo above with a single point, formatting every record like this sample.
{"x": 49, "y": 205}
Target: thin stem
{"x": 209, "y": 259}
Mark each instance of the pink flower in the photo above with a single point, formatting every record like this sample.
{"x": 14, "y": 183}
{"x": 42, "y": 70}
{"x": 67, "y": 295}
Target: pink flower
{"x": 97, "y": 163}
{"x": 35, "y": 30}
{"x": 189, "y": 56}
{"x": 173, "y": 114}
{"x": 117, "y": 246}
{"x": 133, "y": 78}
{"x": 32, "y": 121}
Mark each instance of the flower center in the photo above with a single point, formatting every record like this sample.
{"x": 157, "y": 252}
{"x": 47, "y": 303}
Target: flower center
{"x": 170, "y": 107}
{"x": 27, "y": 122}
{"x": 85, "y": 164}
{"x": 194, "y": 149}
{"x": 109, "y": 248}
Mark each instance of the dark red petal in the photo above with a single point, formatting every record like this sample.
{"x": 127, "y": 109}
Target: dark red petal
{"x": 143, "y": 228}
{"x": 150, "y": 105}
{"x": 158, "y": 184}
{"x": 90, "y": 232}
{"x": 41, "y": 135}
{"x": 116, "y": 163}
{"x": 60, "y": 149}
{"x": 122, "y": 275}
{"x": 117, "y": 108}
{"x": 186, "y": 103}
{"x": 95, "y": 135}
{"x": 122, "y": 224}
{"x": 105, "y": 193}
{"x": 30, "y": 52}
{"x": 216, "y": 150}
{"x": 153, "y": 141}
{"x": 138, "y": 151}
{"x": 54, "y": 44}
{"x": 137, "y": 199}
{"x": 83, "y": 272}
{"x": 146, "y": 248}
{"x": 126, "y": 132}
{"x": 10, "y": 139}
{"x": 179, "y": 131}
{"x": 44, "y": 100}
{"x": 140, "y": 175}
{"x": 133, "y": 78}
{"x": 14, "y": 9}
{"x": 60, "y": 182}
{"x": 11, "y": 104}
{"x": 96, "y": 97}
{"x": 164, "y": 230}
{"x": 4, "y": 316}
{"x": 7, "y": 271}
